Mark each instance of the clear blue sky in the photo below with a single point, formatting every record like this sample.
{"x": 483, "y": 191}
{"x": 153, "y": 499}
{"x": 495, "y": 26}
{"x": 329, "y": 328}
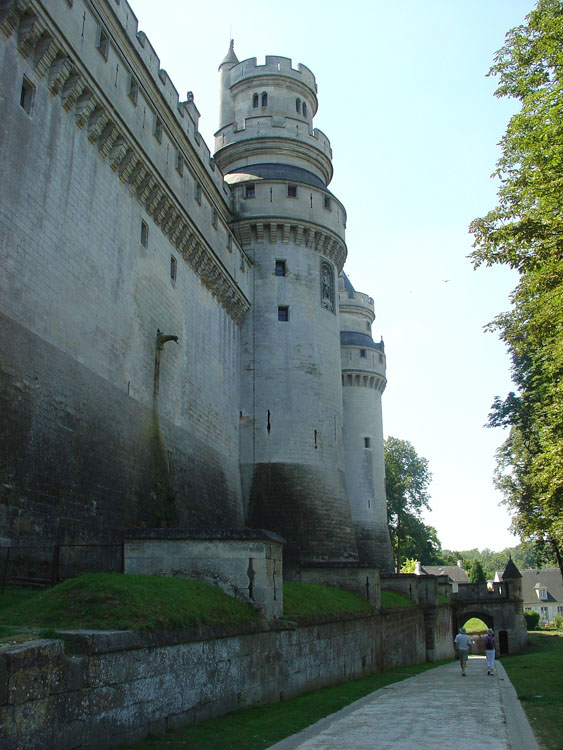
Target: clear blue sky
{"x": 414, "y": 127}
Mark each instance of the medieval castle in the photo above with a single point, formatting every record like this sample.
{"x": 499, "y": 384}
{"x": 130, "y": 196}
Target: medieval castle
{"x": 180, "y": 346}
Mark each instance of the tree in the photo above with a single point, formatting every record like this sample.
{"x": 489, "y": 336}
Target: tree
{"x": 525, "y": 232}
{"x": 476, "y": 573}
{"x": 406, "y": 481}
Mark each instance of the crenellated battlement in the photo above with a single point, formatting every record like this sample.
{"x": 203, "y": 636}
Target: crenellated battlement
{"x": 274, "y": 65}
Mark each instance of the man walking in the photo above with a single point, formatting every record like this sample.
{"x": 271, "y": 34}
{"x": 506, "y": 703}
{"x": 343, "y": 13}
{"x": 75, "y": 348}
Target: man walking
{"x": 463, "y": 643}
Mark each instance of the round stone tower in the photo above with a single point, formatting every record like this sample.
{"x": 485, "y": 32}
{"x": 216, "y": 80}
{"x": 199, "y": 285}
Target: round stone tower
{"x": 363, "y": 382}
{"x": 292, "y": 228}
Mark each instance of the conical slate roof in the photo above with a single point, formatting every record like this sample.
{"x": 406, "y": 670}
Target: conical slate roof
{"x": 511, "y": 571}
{"x": 230, "y": 57}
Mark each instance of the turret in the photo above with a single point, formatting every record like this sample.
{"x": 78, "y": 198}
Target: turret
{"x": 292, "y": 228}
{"x": 225, "y": 99}
{"x": 363, "y": 382}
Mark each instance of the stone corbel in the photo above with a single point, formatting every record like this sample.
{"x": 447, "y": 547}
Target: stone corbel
{"x": 45, "y": 53}
{"x": 85, "y": 105}
{"x": 29, "y": 31}
{"x": 71, "y": 90}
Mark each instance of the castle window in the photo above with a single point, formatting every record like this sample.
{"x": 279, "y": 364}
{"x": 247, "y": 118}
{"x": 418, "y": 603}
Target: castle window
{"x": 144, "y": 234}
{"x": 229, "y": 243}
{"x": 173, "y": 268}
{"x": 363, "y": 353}
{"x": 179, "y": 162}
{"x": 157, "y": 129}
{"x": 133, "y": 90}
{"x": 368, "y": 326}
{"x": 328, "y": 203}
{"x": 327, "y": 287}
{"x": 367, "y": 442}
{"x": 264, "y": 99}
{"x": 214, "y": 219}
{"x": 197, "y": 194}
{"x": 255, "y": 100}
{"x": 250, "y": 191}
{"x": 304, "y": 110}
{"x": 26, "y": 95}
{"x": 283, "y": 313}
{"x": 292, "y": 191}
{"x": 103, "y": 43}
{"x": 280, "y": 268}
{"x": 298, "y": 105}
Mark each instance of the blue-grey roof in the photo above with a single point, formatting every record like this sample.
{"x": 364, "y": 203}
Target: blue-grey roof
{"x": 350, "y": 338}
{"x": 348, "y": 286}
{"x": 284, "y": 172}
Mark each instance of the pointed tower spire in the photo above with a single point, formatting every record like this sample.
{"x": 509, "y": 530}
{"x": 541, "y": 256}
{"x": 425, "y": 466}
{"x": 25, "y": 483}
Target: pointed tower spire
{"x": 230, "y": 58}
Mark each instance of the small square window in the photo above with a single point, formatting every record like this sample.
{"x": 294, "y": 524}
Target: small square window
{"x": 26, "y": 95}
{"x": 292, "y": 191}
{"x": 133, "y": 92}
{"x": 283, "y": 313}
{"x": 250, "y": 191}
{"x": 103, "y": 43}
{"x": 157, "y": 130}
{"x": 367, "y": 442}
{"x": 197, "y": 194}
{"x": 280, "y": 268}
{"x": 363, "y": 353}
{"x": 173, "y": 267}
{"x": 144, "y": 234}
{"x": 179, "y": 162}
{"x": 328, "y": 203}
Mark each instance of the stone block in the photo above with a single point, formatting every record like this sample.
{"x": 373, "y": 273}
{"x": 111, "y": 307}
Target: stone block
{"x": 181, "y": 719}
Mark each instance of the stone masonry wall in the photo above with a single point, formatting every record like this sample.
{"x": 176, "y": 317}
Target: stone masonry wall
{"x": 110, "y": 688}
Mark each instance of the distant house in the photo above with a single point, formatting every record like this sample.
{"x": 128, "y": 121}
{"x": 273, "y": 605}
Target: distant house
{"x": 542, "y": 590}
{"x": 456, "y": 574}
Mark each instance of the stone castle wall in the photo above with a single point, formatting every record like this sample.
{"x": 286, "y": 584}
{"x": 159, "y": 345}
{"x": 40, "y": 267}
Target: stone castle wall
{"x": 117, "y": 687}
{"x": 88, "y": 447}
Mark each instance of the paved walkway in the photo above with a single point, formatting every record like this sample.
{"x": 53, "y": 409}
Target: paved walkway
{"x": 436, "y": 710}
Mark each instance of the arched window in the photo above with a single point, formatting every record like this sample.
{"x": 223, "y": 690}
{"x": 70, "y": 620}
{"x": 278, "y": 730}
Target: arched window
{"x": 298, "y": 105}
{"x": 304, "y": 110}
{"x": 255, "y": 100}
{"x": 264, "y": 99}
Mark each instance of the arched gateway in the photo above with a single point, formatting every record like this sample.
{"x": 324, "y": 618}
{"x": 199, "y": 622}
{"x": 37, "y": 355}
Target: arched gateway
{"x": 500, "y": 608}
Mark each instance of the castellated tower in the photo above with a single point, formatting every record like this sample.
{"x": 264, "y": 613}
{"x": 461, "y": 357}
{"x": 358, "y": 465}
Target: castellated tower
{"x": 292, "y": 228}
{"x": 363, "y": 382}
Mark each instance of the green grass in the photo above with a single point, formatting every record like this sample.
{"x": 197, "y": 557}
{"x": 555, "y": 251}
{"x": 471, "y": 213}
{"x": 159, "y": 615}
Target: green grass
{"x": 307, "y": 602}
{"x": 127, "y": 602}
{"x": 258, "y": 728}
{"x": 475, "y": 626}
{"x": 16, "y": 595}
{"x": 538, "y": 679}
{"x": 393, "y": 600}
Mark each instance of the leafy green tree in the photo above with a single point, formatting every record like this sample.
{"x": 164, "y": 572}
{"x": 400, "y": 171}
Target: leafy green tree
{"x": 409, "y": 565}
{"x": 525, "y": 232}
{"x": 476, "y": 573}
{"x": 406, "y": 481}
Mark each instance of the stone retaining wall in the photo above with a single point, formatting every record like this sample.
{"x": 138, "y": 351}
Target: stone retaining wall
{"x": 96, "y": 690}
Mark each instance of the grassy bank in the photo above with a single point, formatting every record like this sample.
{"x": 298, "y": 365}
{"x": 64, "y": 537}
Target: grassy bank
{"x": 127, "y": 602}
{"x": 258, "y": 728}
{"x": 537, "y": 677}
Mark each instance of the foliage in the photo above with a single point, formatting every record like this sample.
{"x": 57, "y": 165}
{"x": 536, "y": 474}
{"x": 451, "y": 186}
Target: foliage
{"x": 474, "y": 626}
{"x": 261, "y": 727}
{"x": 532, "y": 618}
{"x": 524, "y": 556}
{"x": 128, "y": 602}
{"x": 558, "y": 622}
{"x": 525, "y": 231}
{"x": 406, "y": 481}
{"x": 476, "y": 573}
{"x": 409, "y": 565}
{"x": 307, "y": 602}
{"x": 538, "y": 679}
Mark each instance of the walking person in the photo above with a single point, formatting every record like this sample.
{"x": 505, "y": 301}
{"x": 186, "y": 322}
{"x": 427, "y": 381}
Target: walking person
{"x": 490, "y": 648}
{"x": 463, "y": 644}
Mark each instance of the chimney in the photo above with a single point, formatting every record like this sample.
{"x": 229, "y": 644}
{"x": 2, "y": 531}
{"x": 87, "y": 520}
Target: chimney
{"x": 418, "y": 568}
